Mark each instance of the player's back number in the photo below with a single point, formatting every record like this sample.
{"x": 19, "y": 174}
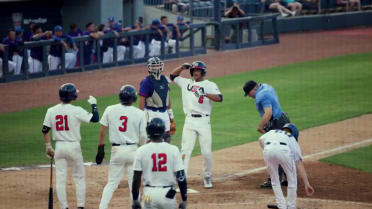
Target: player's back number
{"x": 62, "y": 123}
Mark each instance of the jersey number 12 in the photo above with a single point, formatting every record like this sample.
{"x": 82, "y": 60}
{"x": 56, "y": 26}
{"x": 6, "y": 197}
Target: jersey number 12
{"x": 62, "y": 123}
{"x": 159, "y": 162}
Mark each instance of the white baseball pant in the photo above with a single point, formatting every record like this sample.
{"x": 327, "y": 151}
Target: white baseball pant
{"x": 156, "y": 114}
{"x": 11, "y": 67}
{"x": 197, "y": 128}
{"x": 55, "y": 62}
{"x": 108, "y": 56}
{"x": 35, "y": 66}
{"x": 122, "y": 158}
{"x": 154, "y": 198}
{"x": 18, "y": 61}
{"x": 155, "y": 47}
{"x": 139, "y": 50}
{"x": 172, "y": 43}
{"x": 68, "y": 154}
{"x": 276, "y": 154}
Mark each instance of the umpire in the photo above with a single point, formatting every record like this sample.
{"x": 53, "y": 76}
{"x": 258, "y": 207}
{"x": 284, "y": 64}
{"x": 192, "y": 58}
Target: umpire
{"x": 272, "y": 116}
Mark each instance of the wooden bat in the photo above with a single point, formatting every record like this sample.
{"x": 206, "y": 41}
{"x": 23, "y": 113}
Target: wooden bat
{"x": 50, "y": 205}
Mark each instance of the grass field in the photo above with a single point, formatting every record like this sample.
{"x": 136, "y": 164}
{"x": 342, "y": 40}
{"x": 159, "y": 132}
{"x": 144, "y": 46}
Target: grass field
{"x": 360, "y": 159}
{"x": 313, "y": 93}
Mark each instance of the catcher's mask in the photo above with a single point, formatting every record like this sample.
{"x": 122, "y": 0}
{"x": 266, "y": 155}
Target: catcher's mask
{"x": 155, "y": 66}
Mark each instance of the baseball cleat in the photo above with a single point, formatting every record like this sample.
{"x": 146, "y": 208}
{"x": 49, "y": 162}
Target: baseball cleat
{"x": 266, "y": 184}
{"x": 284, "y": 183}
{"x": 272, "y": 206}
{"x": 208, "y": 182}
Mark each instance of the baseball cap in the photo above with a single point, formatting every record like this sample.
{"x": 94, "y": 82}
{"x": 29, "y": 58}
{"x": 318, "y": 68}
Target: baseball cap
{"x": 248, "y": 86}
{"x": 18, "y": 29}
{"x": 111, "y": 19}
{"x": 156, "y": 22}
{"x": 57, "y": 28}
{"x": 179, "y": 18}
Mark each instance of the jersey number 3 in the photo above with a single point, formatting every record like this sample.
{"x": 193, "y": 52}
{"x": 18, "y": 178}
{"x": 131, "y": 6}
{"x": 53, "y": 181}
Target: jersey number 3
{"x": 123, "y": 128}
{"x": 159, "y": 162}
{"x": 62, "y": 123}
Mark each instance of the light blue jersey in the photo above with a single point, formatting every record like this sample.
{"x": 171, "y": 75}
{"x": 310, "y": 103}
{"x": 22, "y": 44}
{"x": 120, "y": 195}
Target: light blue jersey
{"x": 266, "y": 97}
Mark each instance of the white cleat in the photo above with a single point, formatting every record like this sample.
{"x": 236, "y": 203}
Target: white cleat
{"x": 208, "y": 182}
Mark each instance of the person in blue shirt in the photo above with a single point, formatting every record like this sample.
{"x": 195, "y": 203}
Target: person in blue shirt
{"x": 138, "y": 40}
{"x": 35, "y": 63}
{"x": 88, "y": 45}
{"x": 155, "y": 38}
{"x": 272, "y": 116}
{"x": 27, "y": 35}
{"x": 75, "y": 31}
{"x": 55, "y": 54}
{"x": 14, "y": 53}
{"x": 108, "y": 55}
{"x": 172, "y": 32}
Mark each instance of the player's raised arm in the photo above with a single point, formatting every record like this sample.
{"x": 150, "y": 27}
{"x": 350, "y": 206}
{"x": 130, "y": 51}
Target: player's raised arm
{"x": 93, "y": 102}
{"x": 177, "y": 71}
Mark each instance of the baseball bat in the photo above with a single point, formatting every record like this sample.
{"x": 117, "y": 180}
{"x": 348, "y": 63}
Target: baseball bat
{"x": 50, "y": 205}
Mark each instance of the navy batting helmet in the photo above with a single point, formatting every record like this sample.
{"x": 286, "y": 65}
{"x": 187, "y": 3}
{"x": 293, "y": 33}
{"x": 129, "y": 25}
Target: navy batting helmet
{"x": 293, "y": 130}
{"x": 198, "y": 65}
{"x": 68, "y": 92}
{"x": 155, "y": 128}
{"x": 127, "y": 95}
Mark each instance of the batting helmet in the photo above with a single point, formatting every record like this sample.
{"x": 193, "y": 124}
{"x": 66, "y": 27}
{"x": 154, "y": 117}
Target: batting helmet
{"x": 68, "y": 92}
{"x": 155, "y": 66}
{"x": 127, "y": 95}
{"x": 293, "y": 130}
{"x": 155, "y": 128}
{"x": 198, "y": 65}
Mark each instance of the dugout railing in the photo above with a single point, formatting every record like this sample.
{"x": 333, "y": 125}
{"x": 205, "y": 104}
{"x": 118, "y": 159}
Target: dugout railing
{"x": 191, "y": 48}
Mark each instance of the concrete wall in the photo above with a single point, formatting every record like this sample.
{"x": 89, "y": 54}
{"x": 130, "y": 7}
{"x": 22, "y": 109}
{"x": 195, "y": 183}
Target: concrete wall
{"x": 80, "y": 12}
{"x": 111, "y": 8}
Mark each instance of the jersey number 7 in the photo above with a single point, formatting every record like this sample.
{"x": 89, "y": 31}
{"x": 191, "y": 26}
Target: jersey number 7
{"x": 159, "y": 162}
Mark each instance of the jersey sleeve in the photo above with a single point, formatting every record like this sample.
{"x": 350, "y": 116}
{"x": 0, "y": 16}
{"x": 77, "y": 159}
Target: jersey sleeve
{"x": 47, "y": 121}
{"x": 104, "y": 120}
{"x": 146, "y": 89}
{"x": 83, "y": 115}
{"x": 213, "y": 89}
{"x": 178, "y": 164}
{"x": 137, "y": 165}
{"x": 181, "y": 82}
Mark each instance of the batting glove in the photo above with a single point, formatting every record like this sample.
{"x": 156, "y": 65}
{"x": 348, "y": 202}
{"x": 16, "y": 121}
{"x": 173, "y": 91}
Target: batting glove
{"x": 100, "y": 154}
{"x": 92, "y": 100}
{"x": 186, "y": 66}
{"x": 136, "y": 204}
{"x": 182, "y": 205}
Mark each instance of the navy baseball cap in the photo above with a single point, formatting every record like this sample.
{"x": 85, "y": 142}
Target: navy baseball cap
{"x": 57, "y": 28}
{"x": 179, "y": 18}
{"x": 111, "y": 19}
{"x": 248, "y": 86}
{"x": 155, "y": 22}
{"x": 18, "y": 29}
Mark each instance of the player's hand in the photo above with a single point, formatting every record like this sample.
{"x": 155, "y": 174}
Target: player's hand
{"x": 49, "y": 151}
{"x": 186, "y": 66}
{"x": 92, "y": 100}
{"x": 309, "y": 190}
{"x": 136, "y": 204}
{"x": 100, "y": 154}
{"x": 201, "y": 92}
{"x": 182, "y": 205}
{"x": 172, "y": 127}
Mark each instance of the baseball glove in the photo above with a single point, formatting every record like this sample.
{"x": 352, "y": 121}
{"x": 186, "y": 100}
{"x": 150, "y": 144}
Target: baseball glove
{"x": 172, "y": 127}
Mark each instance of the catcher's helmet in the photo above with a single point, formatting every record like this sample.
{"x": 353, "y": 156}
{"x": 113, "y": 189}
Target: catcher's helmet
{"x": 155, "y": 66}
{"x": 155, "y": 128}
{"x": 68, "y": 92}
{"x": 293, "y": 130}
{"x": 127, "y": 95}
{"x": 198, "y": 65}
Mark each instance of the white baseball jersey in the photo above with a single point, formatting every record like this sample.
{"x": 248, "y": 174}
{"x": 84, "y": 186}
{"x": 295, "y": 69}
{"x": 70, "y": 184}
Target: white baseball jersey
{"x": 158, "y": 163}
{"x": 127, "y": 124}
{"x": 65, "y": 120}
{"x": 277, "y": 137}
{"x": 190, "y": 102}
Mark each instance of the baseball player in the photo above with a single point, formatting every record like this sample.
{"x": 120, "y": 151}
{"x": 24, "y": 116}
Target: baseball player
{"x": 155, "y": 96}
{"x": 108, "y": 56}
{"x": 11, "y": 65}
{"x": 36, "y": 55}
{"x": 272, "y": 116}
{"x": 281, "y": 148}
{"x": 14, "y": 53}
{"x": 64, "y": 119}
{"x": 161, "y": 166}
{"x": 127, "y": 128}
{"x": 197, "y": 97}
{"x": 54, "y": 58}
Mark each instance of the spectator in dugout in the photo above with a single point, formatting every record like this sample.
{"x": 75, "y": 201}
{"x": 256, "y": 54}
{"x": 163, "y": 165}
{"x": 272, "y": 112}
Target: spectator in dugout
{"x": 27, "y": 35}
{"x": 274, "y": 5}
{"x": 75, "y": 31}
{"x": 55, "y": 54}
{"x": 88, "y": 45}
{"x": 108, "y": 55}
{"x": 349, "y": 4}
{"x": 36, "y": 60}
{"x": 139, "y": 48}
{"x": 235, "y": 12}
{"x": 11, "y": 64}
{"x": 171, "y": 34}
{"x": 156, "y": 37}
{"x": 14, "y": 53}
{"x": 182, "y": 26}
{"x": 293, "y": 5}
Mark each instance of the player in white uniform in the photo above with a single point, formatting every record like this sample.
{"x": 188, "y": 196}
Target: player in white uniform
{"x": 127, "y": 128}
{"x": 155, "y": 96}
{"x": 197, "y": 97}
{"x": 64, "y": 119}
{"x": 161, "y": 166}
{"x": 281, "y": 148}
